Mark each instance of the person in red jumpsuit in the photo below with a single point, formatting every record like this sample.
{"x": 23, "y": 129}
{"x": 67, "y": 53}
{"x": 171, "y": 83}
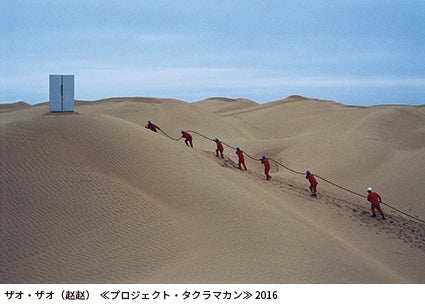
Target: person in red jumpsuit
{"x": 313, "y": 182}
{"x": 265, "y": 161}
{"x": 375, "y": 201}
{"x": 187, "y": 137}
{"x": 152, "y": 126}
{"x": 220, "y": 148}
{"x": 241, "y": 158}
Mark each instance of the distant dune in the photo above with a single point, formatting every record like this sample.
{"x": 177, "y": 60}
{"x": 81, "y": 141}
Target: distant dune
{"x": 94, "y": 197}
{"x": 13, "y": 106}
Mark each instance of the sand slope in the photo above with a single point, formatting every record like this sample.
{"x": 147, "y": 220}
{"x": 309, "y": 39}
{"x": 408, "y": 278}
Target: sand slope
{"x": 95, "y": 197}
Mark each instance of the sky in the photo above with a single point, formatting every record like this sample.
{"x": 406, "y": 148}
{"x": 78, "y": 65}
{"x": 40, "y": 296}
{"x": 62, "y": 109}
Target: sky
{"x": 357, "y": 52}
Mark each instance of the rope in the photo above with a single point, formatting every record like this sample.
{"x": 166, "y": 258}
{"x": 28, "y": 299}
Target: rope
{"x": 175, "y": 139}
{"x": 360, "y": 195}
{"x": 287, "y": 168}
{"x": 227, "y": 145}
{"x": 300, "y": 173}
{"x": 348, "y": 190}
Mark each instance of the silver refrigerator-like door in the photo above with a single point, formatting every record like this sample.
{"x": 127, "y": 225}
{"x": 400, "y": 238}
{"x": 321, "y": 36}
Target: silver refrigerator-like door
{"x": 55, "y": 96}
{"x": 67, "y": 93}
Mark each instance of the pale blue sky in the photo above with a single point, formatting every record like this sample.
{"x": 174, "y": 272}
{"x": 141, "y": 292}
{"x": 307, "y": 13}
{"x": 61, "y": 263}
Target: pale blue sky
{"x": 362, "y": 52}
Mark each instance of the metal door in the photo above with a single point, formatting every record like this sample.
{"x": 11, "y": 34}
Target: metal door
{"x": 67, "y": 93}
{"x": 55, "y": 96}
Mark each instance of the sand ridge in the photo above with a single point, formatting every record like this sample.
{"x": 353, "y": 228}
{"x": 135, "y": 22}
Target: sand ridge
{"x": 95, "y": 197}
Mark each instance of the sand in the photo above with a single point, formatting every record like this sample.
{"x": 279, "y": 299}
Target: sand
{"x": 94, "y": 197}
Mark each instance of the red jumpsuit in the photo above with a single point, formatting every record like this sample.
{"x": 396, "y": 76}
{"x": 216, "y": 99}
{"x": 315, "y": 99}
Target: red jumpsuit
{"x": 241, "y": 161}
{"x": 188, "y": 138}
{"x": 152, "y": 127}
{"x": 265, "y": 161}
{"x": 375, "y": 200}
{"x": 313, "y": 183}
{"x": 219, "y": 149}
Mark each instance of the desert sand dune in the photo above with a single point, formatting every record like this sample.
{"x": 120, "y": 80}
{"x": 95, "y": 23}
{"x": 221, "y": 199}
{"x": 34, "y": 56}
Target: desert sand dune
{"x": 94, "y": 197}
{"x": 10, "y": 107}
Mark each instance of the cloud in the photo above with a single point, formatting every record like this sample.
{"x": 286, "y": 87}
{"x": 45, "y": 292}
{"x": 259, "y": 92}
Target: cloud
{"x": 191, "y": 82}
{"x": 344, "y": 81}
{"x": 229, "y": 77}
